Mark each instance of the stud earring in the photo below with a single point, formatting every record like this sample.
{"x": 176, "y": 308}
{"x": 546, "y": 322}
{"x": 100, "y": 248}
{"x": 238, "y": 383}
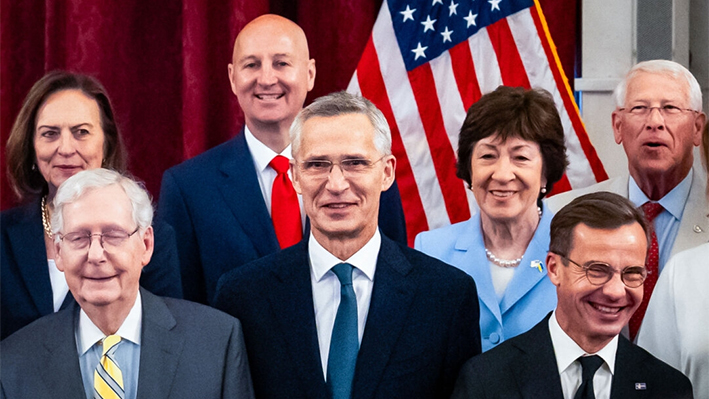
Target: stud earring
{"x": 544, "y": 190}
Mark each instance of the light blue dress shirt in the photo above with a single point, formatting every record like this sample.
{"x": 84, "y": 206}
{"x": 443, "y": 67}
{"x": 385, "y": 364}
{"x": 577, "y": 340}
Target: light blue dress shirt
{"x": 667, "y": 222}
{"x": 89, "y": 344}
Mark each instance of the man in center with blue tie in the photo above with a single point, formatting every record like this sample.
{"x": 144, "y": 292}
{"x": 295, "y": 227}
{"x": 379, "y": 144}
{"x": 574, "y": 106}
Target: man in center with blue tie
{"x": 349, "y": 313}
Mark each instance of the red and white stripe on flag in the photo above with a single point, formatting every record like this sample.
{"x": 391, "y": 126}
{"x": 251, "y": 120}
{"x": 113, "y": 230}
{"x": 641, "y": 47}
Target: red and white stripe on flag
{"x": 425, "y": 106}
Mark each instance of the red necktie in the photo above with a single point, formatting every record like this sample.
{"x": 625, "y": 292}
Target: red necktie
{"x": 285, "y": 210}
{"x": 651, "y": 210}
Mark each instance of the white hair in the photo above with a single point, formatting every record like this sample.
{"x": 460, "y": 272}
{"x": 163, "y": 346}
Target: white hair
{"x": 661, "y": 67}
{"x": 342, "y": 103}
{"x": 81, "y": 183}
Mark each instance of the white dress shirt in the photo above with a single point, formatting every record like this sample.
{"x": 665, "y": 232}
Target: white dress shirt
{"x": 88, "y": 343}
{"x": 567, "y": 352}
{"x": 59, "y": 286}
{"x": 326, "y": 288}
{"x": 265, "y": 174}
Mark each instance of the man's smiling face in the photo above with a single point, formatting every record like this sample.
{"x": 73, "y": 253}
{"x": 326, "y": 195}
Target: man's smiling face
{"x": 271, "y": 72}
{"x": 593, "y": 314}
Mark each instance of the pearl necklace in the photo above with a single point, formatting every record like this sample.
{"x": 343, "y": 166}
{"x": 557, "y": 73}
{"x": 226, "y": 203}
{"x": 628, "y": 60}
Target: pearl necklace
{"x": 503, "y": 262}
{"x": 45, "y": 218}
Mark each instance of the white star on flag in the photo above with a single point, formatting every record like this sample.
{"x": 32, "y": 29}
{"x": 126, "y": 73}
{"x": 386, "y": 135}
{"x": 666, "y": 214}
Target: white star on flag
{"x": 428, "y": 24}
{"x": 495, "y": 5}
{"x": 419, "y": 51}
{"x": 471, "y": 19}
{"x": 447, "y": 35}
{"x": 453, "y": 9}
{"x": 408, "y": 13}
{"x": 437, "y": 1}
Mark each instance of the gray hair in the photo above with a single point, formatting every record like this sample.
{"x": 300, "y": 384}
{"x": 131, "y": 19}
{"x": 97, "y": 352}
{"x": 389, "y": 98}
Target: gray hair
{"x": 341, "y": 103}
{"x": 661, "y": 67}
{"x": 81, "y": 183}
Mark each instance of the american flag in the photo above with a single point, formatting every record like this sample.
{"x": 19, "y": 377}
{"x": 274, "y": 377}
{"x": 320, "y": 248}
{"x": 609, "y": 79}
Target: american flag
{"x": 427, "y": 62}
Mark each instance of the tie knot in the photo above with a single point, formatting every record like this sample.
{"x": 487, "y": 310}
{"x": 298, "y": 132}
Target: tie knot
{"x": 280, "y": 164}
{"x": 589, "y": 365}
{"x": 343, "y": 271}
{"x": 651, "y": 210}
{"x": 109, "y": 342}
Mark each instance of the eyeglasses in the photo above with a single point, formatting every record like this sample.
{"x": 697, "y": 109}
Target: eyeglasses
{"x": 667, "y": 111}
{"x": 599, "y": 273}
{"x": 109, "y": 241}
{"x": 351, "y": 168}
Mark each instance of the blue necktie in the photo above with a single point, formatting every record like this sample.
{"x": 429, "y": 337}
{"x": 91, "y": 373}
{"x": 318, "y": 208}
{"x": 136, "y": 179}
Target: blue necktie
{"x": 344, "y": 344}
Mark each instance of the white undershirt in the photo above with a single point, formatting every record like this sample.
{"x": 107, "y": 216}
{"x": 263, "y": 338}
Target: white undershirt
{"x": 59, "y": 286}
{"x": 501, "y": 277}
{"x": 326, "y": 288}
{"x": 262, "y": 156}
{"x": 567, "y": 352}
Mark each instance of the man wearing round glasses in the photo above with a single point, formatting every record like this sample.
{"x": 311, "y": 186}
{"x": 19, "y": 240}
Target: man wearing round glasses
{"x": 118, "y": 340}
{"x": 596, "y": 259}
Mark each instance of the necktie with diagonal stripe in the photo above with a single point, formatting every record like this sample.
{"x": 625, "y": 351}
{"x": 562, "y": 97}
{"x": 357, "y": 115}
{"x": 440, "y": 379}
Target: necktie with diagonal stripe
{"x": 108, "y": 379}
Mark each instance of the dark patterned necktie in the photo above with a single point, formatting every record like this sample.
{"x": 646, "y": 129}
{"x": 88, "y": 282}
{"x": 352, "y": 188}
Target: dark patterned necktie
{"x": 344, "y": 344}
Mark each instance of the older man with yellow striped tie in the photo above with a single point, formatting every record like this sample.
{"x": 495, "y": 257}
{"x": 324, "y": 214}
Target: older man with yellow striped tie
{"x": 119, "y": 341}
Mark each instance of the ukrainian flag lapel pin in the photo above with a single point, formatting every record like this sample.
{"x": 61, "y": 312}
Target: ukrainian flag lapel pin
{"x": 537, "y": 264}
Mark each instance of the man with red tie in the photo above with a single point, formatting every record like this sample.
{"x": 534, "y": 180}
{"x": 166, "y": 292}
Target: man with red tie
{"x": 658, "y": 119}
{"x": 236, "y": 203}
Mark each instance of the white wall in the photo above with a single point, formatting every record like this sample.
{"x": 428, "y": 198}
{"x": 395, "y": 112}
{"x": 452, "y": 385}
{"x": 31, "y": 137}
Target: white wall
{"x": 609, "y": 51}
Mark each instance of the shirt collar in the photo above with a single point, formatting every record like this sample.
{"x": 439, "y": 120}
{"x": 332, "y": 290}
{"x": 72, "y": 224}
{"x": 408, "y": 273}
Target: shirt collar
{"x": 567, "y": 350}
{"x": 673, "y": 202}
{"x": 260, "y": 152}
{"x": 88, "y": 334}
{"x": 321, "y": 261}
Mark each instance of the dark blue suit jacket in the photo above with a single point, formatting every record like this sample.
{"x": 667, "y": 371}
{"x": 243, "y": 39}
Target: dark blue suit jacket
{"x": 421, "y": 326}
{"x": 214, "y": 203}
{"x": 187, "y": 351}
{"x": 525, "y": 367}
{"x": 26, "y": 288}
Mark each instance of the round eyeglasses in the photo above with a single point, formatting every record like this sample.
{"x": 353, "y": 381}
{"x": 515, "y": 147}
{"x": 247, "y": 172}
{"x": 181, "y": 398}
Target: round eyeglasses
{"x": 599, "y": 273}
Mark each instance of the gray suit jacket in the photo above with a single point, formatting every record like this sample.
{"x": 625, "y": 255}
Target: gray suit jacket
{"x": 694, "y": 226}
{"x": 187, "y": 351}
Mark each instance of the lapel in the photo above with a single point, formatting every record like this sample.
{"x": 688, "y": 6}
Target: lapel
{"x": 629, "y": 370}
{"x": 27, "y": 242}
{"x": 694, "y": 226}
{"x": 241, "y": 192}
{"x": 527, "y": 277}
{"x": 291, "y": 298}
{"x": 59, "y": 353}
{"x": 160, "y": 348}
{"x": 392, "y": 295}
{"x": 470, "y": 254}
{"x": 536, "y": 373}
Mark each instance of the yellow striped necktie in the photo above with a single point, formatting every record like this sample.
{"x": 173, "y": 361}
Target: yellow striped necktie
{"x": 108, "y": 378}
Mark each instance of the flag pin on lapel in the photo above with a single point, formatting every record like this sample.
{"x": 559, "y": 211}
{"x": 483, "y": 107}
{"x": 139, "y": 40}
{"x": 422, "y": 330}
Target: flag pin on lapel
{"x": 640, "y": 386}
{"x": 536, "y": 264}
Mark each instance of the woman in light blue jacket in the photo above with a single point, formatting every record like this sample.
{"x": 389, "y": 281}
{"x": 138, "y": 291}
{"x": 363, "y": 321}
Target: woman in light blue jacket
{"x": 510, "y": 153}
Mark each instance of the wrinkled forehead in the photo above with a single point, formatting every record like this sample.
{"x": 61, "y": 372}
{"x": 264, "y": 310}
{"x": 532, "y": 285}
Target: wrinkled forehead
{"x": 646, "y": 85}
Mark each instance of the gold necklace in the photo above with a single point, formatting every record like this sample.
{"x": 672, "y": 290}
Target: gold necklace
{"x": 45, "y": 218}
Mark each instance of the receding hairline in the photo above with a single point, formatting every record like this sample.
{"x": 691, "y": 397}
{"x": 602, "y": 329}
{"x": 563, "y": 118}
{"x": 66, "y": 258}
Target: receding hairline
{"x": 275, "y": 23}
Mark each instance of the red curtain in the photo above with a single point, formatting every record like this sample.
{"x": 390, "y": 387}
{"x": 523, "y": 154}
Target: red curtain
{"x": 164, "y": 63}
